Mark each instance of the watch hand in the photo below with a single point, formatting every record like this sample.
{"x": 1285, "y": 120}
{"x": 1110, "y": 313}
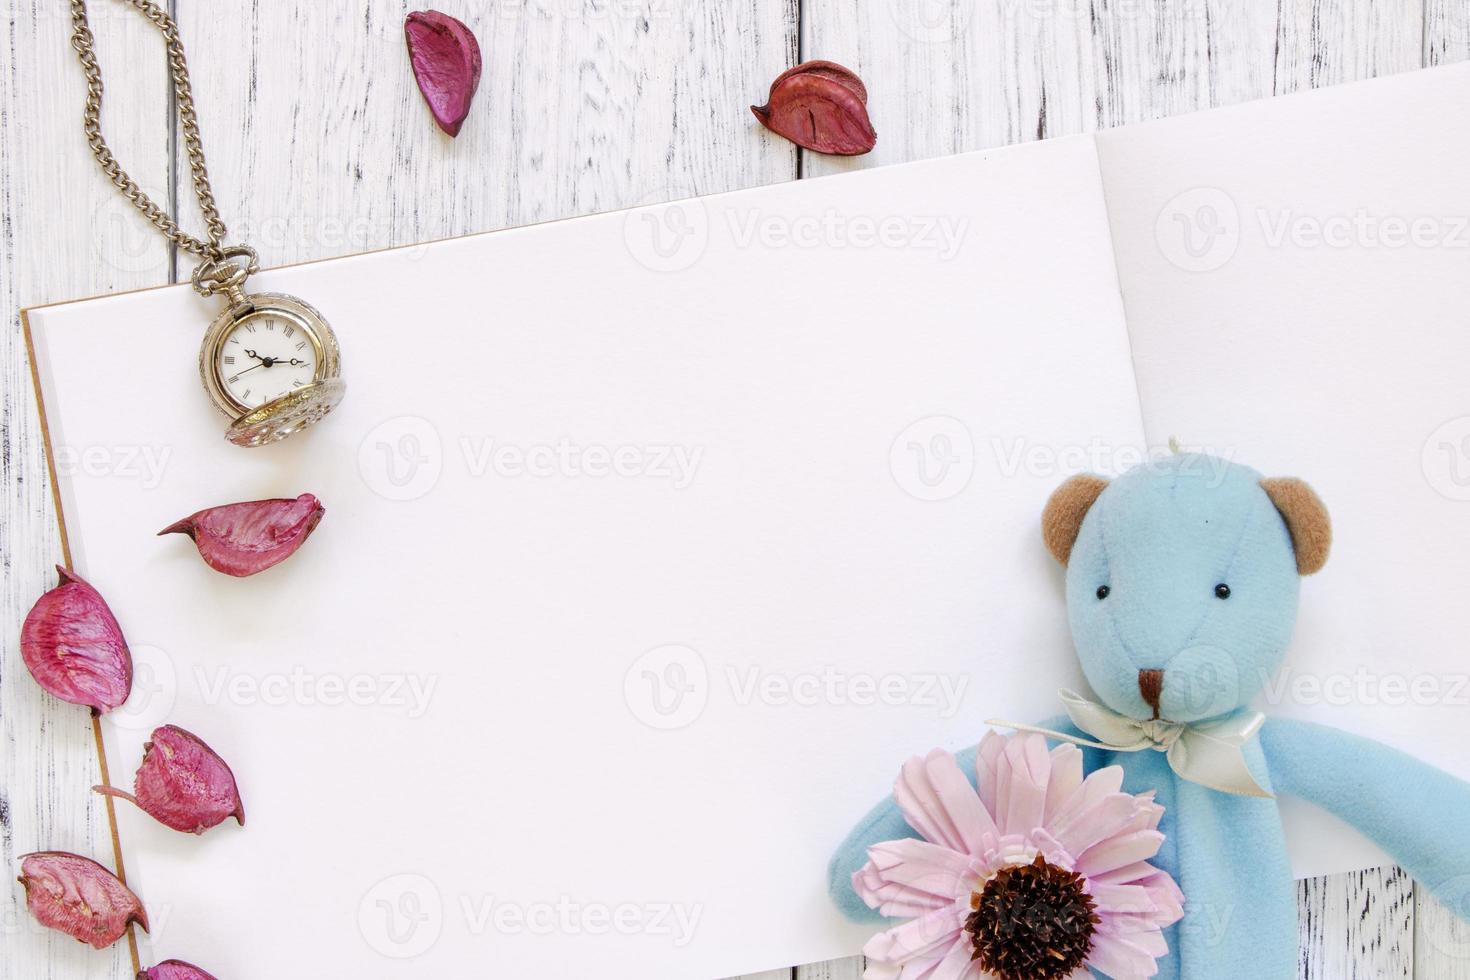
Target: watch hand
{"x": 251, "y": 353}
{"x": 249, "y": 369}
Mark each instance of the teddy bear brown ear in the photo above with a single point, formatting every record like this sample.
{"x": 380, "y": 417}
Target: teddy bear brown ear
{"x": 1306, "y": 518}
{"x": 1062, "y": 518}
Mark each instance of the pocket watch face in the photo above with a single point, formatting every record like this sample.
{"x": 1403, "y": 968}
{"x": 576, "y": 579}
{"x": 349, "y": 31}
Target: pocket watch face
{"x": 267, "y": 355}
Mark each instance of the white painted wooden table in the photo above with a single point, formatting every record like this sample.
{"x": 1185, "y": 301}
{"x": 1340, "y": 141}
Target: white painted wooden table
{"x": 319, "y": 145}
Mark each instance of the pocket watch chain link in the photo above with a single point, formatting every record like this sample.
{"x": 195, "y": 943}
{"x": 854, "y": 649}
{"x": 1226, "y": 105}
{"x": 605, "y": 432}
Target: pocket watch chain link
{"x": 210, "y": 249}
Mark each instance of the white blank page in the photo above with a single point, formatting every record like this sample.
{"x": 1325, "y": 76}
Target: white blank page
{"x": 873, "y": 408}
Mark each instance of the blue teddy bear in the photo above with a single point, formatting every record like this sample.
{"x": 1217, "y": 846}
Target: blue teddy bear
{"x": 1182, "y": 581}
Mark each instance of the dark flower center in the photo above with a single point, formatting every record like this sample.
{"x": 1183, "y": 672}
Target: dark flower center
{"x": 1032, "y": 922}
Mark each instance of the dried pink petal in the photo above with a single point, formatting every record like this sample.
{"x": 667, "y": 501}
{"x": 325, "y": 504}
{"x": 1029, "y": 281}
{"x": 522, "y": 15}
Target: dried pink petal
{"x": 73, "y": 647}
{"x": 79, "y": 897}
{"x": 245, "y": 538}
{"x": 175, "y": 970}
{"x": 183, "y": 783}
{"x": 446, "y": 64}
{"x": 821, "y": 106}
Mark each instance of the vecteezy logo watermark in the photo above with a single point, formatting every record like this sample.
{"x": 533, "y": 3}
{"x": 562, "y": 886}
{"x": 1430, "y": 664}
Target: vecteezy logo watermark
{"x": 674, "y": 463}
{"x": 144, "y": 465}
{"x": 1199, "y": 230}
{"x": 1364, "y": 686}
{"x": 667, "y": 687}
{"x": 933, "y": 459}
{"x": 667, "y": 237}
{"x": 834, "y": 231}
{"x": 401, "y": 916}
{"x": 1446, "y": 459}
{"x": 567, "y": 916}
{"x": 409, "y": 694}
{"x": 1362, "y": 229}
{"x": 830, "y": 686}
{"x": 402, "y": 458}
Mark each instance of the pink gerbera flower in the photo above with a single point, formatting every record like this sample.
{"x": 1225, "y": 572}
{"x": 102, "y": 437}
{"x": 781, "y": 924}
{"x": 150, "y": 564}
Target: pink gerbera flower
{"x": 1038, "y": 875}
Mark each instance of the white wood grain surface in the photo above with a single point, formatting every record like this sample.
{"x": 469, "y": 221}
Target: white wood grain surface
{"x": 320, "y": 145}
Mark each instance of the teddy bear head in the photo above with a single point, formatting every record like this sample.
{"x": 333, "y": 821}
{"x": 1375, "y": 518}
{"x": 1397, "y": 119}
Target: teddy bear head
{"x": 1182, "y": 580}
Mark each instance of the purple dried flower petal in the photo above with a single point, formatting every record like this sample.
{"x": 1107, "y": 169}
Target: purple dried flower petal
{"x": 183, "y": 783}
{"x": 245, "y": 538}
{"x": 78, "y": 896}
{"x": 821, "y": 106}
{"x": 175, "y": 970}
{"x": 73, "y": 647}
{"x": 446, "y": 64}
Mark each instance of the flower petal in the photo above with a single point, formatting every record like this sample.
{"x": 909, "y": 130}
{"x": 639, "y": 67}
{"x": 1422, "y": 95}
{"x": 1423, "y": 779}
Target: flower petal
{"x": 929, "y": 935}
{"x": 1021, "y": 804}
{"x": 73, "y": 647}
{"x": 959, "y": 963}
{"x": 249, "y": 537}
{"x": 1118, "y": 851}
{"x": 934, "y": 796}
{"x": 175, "y": 970}
{"x": 1066, "y": 777}
{"x": 183, "y": 783}
{"x": 1121, "y": 959}
{"x": 1100, "y": 783}
{"x": 445, "y": 56}
{"x": 987, "y": 757}
{"x": 915, "y": 872}
{"x": 79, "y": 897}
{"x": 1086, "y": 826}
{"x": 821, "y": 106}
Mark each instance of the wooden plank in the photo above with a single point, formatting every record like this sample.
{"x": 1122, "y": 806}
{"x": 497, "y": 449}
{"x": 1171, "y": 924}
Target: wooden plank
{"x": 578, "y": 111}
{"x": 64, "y": 233}
{"x": 848, "y": 969}
{"x": 1357, "y": 925}
{"x": 1327, "y": 42}
{"x": 1441, "y": 940}
{"x": 1446, "y": 32}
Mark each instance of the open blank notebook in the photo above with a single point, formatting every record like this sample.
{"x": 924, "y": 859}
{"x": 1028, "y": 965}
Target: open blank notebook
{"x": 656, "y": 541}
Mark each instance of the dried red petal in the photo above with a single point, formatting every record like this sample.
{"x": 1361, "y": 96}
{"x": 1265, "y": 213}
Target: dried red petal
{"x": 73, "y": 647}
{"x": 245, "y": 538}
{"x": 183, "y": 783}
{"x": 446, "y": 64}
{"x": 78, "y": 896}
{"x": 821, "y": 106}
{"x": 175, "y": 970}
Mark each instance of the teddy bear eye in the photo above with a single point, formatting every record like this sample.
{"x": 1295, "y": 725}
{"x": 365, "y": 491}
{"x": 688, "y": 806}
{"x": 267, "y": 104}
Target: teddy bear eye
{"x": 1103, "y": 591}
{"x": 1222, "y": 591}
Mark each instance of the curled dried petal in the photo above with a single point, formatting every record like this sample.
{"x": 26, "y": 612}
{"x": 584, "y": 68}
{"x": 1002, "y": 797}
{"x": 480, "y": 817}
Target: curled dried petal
{"x": 821, "y": 106}
{"x": 73, "y": 647}
{"x": 183, "y": 783}
{"x": 446, "y": 65}
{"x": 245, "y": 538}
{"x": 175, "y": 970}
{"x": 78, "y": 896}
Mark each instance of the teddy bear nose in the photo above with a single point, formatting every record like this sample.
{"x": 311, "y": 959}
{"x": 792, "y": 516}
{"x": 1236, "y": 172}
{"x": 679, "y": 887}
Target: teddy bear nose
{"x": 1151, "y": 686}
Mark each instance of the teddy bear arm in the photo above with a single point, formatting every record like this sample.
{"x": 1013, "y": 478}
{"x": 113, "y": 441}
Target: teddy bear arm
{"x": 886, "y": 822}
{"x": 1412, "y": 810}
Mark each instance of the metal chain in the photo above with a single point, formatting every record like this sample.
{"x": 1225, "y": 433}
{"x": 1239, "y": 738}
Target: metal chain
{"x": 83, "y": 42}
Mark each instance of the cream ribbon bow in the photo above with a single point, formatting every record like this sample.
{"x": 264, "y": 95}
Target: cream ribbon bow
{"x": 1210, "y": 753}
